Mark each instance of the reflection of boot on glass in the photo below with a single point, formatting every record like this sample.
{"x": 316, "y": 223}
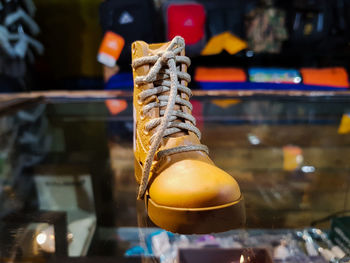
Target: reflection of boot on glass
{"x": 184, "y": 191}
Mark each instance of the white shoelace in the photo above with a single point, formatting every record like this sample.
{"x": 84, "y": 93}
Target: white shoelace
{"x": 164, "y": 67}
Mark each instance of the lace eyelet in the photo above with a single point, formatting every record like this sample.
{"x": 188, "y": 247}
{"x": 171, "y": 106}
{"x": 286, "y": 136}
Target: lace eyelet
{"x": 145, "y": 132}
{"x": 142, "y": 117}
{"x": 139, "y": 102}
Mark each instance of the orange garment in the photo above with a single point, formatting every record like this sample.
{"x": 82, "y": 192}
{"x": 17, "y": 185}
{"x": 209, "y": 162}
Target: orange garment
{"x": 335, "y": 77}
{"x": 110, "y": 49}
{"x": 224, "y": 41}
{"x": 203, "y": 74}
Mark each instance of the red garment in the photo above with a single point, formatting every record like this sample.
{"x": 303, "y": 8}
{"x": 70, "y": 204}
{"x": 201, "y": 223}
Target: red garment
{"x": 186, "y": 20}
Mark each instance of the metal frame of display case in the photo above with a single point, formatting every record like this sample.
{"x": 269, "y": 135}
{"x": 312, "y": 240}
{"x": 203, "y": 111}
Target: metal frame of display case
{"x": 13, "y": 104}
{"x": 48, "y": 95}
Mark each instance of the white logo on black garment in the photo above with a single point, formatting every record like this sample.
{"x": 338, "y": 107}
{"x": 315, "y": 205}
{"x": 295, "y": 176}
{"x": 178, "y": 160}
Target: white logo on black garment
{"x": 125, "y": 18}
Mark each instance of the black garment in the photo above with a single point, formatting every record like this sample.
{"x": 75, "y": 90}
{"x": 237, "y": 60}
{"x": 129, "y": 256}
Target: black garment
{"x": 133, "y": 20}
{"x": 226, "y": 15}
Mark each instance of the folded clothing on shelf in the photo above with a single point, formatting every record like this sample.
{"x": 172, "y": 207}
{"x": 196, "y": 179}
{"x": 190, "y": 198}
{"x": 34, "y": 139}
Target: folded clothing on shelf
{"x": 333, "y": 77}
{"x": 219, "y": 78}
{"x": 203, "y": 74}
{"x": 229, "y": 78}
{"x": 274, "y": 75}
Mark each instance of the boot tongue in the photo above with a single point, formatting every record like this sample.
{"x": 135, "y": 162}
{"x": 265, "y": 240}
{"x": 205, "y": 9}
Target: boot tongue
{"x": 155, "y": 49}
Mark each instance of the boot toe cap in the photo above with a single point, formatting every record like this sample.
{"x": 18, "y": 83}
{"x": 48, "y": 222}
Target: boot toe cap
{"x": 193, "y": 184}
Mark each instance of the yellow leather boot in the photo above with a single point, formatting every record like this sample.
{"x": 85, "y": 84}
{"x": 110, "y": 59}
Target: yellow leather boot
{"x": 183, "y": 190}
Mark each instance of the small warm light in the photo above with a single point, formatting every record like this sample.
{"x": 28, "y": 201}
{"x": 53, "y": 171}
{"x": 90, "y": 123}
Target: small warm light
{"x": 241, "y": 260}
{"x": 46, "y": 240}
{"x": 41, "y": 238}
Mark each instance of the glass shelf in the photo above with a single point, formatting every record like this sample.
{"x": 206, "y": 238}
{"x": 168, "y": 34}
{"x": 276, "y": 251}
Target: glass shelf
{"x": 66, "y": 170}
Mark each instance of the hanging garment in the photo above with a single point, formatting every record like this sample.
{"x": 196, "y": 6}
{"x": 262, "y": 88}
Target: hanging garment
{"x": 186, "y": 19}
{"x": 310, "y": 22}
{"x": 266, "y": 30}
{"x": 132, "y": 20}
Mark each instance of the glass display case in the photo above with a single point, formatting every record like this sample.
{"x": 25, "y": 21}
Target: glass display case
{"x": 68, "y": 193}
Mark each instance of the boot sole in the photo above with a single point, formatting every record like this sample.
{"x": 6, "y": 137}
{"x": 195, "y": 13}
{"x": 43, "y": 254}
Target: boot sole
{"x": 197, "y": 220}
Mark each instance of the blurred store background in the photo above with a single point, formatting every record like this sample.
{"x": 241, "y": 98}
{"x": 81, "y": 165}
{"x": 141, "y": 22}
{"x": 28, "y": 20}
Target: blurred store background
{"x": 67, "y": 188}
{"x": 255, "y": 44}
